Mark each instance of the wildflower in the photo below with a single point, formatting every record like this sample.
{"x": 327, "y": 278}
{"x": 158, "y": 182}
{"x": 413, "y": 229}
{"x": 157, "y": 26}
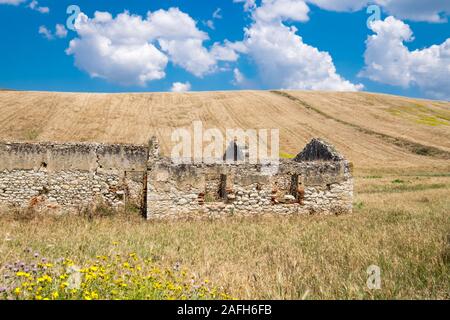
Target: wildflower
{"x": 68, "y": 263}
{"x": 90, "y": 295}
{"x": 157, "y": 285}
{"x": 55, "y": 295}
{"x": 170, "y": 286}
{"x": 2, "y": 289}
{"x": 45, "y": 278}
{"x": 47, "y": 265}
{"x": 23, "y": 274}
{"x": 17, "y": 291}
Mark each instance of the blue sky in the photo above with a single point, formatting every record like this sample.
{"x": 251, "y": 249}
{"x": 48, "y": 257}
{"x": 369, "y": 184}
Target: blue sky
{"x": 287, "y": 44}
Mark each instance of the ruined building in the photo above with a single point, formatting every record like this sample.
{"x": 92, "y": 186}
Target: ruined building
{"x": 74, "y": 175}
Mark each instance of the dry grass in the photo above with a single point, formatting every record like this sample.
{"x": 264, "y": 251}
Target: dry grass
{"x": 405, "y": 232}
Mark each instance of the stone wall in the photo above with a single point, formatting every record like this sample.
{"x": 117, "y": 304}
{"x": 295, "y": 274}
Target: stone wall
{"x": 71, "y": 175}
{"x": 310, "y": 186}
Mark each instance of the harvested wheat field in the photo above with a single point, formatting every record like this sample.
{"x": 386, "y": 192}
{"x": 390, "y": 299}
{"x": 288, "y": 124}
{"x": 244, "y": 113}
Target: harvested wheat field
{"x": 372, "y": 130}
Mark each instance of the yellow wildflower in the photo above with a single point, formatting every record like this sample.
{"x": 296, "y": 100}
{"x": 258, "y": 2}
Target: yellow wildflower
{"x": 23, "y": 274}
{"x": 45, "y": 278}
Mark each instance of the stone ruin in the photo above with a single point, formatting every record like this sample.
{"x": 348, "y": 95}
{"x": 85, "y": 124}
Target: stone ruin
{"x": 68, "y": 176}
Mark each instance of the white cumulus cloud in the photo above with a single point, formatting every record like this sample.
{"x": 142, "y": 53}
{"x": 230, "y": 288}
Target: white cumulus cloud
{"x": 238, "y": 76}
{"x": 181, "y": 87}
{"x": 282, "y": 58}
{"x": 45, "y": 32}
{"x": 133, "y": 50}
{"x": 12, "y": 2}
{"x": 229, "y": 51}
{"x": 60, "y": 32}
{"x": 280, "y": 10}
{"x": 248, "y": 4}
{"x": 416, "y": 10}
{"x": 389, "y": 61}
{"x": 117, "y": 49}
{"x": 34, "y": 5}
{"x": 217, "y": 14}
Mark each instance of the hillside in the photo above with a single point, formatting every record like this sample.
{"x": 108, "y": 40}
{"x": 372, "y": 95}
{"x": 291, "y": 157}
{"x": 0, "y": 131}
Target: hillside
{"x": 372, "y": 130}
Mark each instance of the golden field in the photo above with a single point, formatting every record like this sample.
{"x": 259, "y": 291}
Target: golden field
{"x": 401, "y": 221}
{"x": 362, "y": 126}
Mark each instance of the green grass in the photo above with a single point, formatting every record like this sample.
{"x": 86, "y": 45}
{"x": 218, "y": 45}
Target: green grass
{"x": 401, "y": 187}
{"x": 31, "y": 135}
{"x": 432, "y": 121}
{"x": 285, "y": 155}
{"x": 422, "y": 114}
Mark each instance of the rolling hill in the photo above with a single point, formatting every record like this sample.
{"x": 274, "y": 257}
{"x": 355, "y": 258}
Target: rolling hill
{"x": 372, "y": 130}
